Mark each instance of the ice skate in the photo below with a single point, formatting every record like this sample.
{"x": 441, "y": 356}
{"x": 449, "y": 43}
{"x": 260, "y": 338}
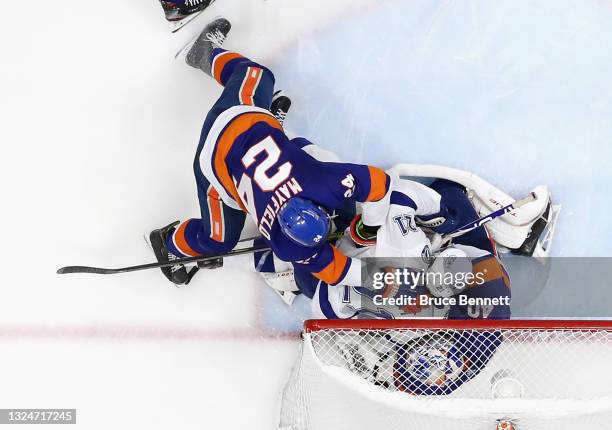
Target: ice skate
{"x": 197, "y": 52}
{"x": 177, "y": 274}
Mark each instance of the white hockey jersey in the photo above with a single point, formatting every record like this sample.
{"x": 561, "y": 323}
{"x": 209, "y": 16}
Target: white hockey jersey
{"x": 398, "y": 235}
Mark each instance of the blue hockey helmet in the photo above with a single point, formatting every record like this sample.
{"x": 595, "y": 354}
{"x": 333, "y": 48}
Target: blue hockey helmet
{"x": 304, "y": 222}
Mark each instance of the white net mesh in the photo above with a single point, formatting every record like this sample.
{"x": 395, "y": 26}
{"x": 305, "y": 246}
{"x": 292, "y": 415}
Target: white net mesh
{"x": 451, "y": 378}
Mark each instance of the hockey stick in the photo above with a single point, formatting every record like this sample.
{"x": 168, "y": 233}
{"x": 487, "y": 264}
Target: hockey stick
{"x": 490, "y": 217}
{"x": 187, "y": 260}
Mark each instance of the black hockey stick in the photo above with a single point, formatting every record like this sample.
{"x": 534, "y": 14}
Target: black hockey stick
{"x": 446, "y": 238}
{"x": 187, "y": 260}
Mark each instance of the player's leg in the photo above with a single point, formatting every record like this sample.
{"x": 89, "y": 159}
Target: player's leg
{"x": 216, "y": 232}
{"x": 246, "y": 82}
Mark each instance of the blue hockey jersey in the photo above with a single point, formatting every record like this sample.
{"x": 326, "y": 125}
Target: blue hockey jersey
{"x": 255, "y": 167}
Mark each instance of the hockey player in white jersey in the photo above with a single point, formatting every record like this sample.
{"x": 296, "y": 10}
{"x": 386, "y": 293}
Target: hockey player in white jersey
{"x": 413, "y": 210}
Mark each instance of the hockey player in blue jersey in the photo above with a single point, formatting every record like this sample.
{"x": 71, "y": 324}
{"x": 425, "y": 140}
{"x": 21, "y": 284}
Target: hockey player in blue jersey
{"x": 246, "y": 166}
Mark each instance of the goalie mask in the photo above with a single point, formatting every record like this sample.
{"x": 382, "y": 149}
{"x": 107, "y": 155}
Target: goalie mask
{"x": 435, "y": 365}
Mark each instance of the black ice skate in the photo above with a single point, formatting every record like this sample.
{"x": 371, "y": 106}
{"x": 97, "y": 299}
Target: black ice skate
{"x": 197, "y": 53}
{"x": 177, "y": 274}
{"x": 181, "y": 12}
{"x": 280, "y": 106}
{"x": 181, "y": 9}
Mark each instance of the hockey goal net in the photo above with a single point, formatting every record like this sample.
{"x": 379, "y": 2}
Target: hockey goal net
{"x": 374, "y": 374}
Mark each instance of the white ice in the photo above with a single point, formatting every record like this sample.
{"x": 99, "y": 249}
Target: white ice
{"x": 517, "y": 91}
{"x": 99, "y": 125}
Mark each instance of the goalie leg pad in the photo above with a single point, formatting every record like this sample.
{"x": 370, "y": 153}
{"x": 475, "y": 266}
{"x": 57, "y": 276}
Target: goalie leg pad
{"x": 516, "y": 230}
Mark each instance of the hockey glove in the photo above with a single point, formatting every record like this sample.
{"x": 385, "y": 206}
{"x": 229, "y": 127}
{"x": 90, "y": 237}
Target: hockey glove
{"x": 362, "y": 234}
{"x": 442, "y": 222}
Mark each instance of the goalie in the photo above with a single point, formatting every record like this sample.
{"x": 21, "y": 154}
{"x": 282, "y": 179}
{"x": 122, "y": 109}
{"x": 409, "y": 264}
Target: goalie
{"x": 425, "y": 365}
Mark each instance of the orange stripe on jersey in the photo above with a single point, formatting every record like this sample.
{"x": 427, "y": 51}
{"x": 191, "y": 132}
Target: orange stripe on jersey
{"x": 489, "y": 269}
{"x": 378, "y": 184}
{"x": 249, "y": 85}
{"x": 181, "y": 242}
{"x": 220, "y": 61}
{"x": 216, "y": 215}
{"x": 239, "y": 125}
{"x": 334, "y": 270}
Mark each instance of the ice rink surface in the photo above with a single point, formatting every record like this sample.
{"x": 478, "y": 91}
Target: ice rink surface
{"x": 99, "y": 127}
{"x": 515, "y": 91}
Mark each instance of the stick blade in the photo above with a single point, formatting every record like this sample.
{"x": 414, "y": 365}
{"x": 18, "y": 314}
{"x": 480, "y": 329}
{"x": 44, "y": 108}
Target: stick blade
{"x": 82, "y": 269}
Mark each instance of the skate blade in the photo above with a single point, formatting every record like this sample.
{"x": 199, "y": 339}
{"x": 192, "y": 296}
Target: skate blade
{"x": 182, "y": 53}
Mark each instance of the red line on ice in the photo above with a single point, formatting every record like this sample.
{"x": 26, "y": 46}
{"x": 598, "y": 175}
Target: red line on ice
{"x": 141, "y": 333}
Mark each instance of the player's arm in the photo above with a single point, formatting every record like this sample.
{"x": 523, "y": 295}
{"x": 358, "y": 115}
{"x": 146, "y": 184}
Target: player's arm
{"x": 331, "y": 266}
{"x": 356, "y": 182}
{"x": 365, "y": 183}
{"x": 325, "y": 262}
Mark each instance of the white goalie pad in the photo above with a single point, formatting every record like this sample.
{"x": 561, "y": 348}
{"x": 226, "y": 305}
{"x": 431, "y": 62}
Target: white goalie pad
{"x": 510, "y": 230}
